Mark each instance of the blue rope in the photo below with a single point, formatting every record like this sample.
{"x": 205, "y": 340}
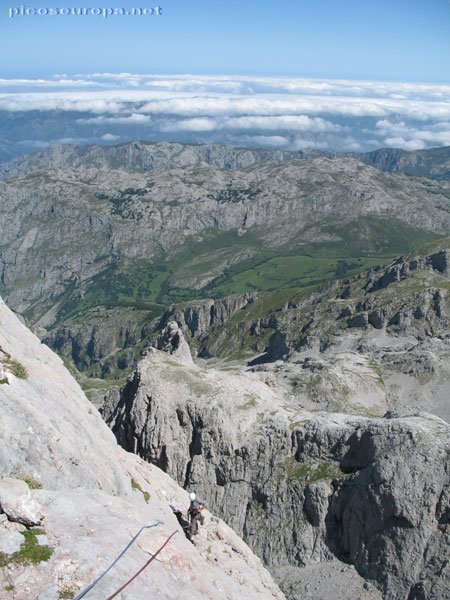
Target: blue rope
{"x": 84, "y": 592}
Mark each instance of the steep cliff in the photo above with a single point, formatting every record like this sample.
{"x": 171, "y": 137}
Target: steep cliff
{"x": 71, "y": 499}
{"x": 302, "y": 488}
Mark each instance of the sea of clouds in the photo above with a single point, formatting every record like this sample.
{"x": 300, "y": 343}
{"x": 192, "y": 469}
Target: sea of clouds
{"x": 286, "y": 113}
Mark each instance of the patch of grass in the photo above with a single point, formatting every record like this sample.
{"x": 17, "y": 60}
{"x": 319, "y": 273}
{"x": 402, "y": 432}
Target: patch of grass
{"x": 372, "y": 234}
{"x": 14, "y": 367}
{"x": 360, "y": 245}
{"x": 136, "y": 486}
{"x": 31, "y": 483}
{"x": 295, "y": 424}
{"x": 66, "y": 593}
{"x": 30, "y": 553}
{"x": 312, "y": 473}
{"x": 136, "y": 284}
{"x": 17, "y": 369}
{"x": 244, "y": 264}
{"x": 195, "y": 383}
{"x": 9, "y": 588}
{"x": 307, "y": 382}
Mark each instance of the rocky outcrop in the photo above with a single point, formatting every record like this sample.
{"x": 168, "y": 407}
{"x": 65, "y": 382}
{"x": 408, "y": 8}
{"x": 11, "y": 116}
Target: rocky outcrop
{"x": 171, "y": 340}
{"x": 302, "y": 489}
{"x": 198, "y": 317}
{"x": 402, "y": 269}
{"x": 90, "y": 498}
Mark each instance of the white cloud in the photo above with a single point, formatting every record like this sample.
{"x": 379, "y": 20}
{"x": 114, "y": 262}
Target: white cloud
{"x": 351, "y": 145}
{"x": 39, "y": 145}
{"x": 413, "y": 137}
{"x": 134, "y": 118}
{"x": 287, "y": 122}
{"x": 190, "y": 125}
{"x": 339, "y": 114}
{"x": 76, "y": 140}
{"x": 399, "y": 142}
{"x": 203, "y": 96}
{"x": 109, "y": 137}
{"x": 280, "y": 123}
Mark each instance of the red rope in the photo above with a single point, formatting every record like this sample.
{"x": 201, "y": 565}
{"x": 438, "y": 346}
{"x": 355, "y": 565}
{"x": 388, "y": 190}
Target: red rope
{"x": 145, "y": 566}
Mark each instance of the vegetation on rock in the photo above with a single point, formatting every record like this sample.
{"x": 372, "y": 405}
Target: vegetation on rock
{"x": 30, "y": 553}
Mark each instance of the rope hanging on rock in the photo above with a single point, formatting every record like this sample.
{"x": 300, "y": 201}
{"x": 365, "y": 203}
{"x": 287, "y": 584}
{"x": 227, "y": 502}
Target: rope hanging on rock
{"x": 144, "y": 567}
{"x": 85, "y": 591}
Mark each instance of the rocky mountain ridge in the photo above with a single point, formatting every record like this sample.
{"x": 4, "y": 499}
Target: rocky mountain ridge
{"x": 302, "y": 488}
{"x": 197, "y": 229}
{"x": 145, "y": 156}
{"x": 69, "y": 263}
{"x": 375, "y": 342}
{"x": 71, "y": 499}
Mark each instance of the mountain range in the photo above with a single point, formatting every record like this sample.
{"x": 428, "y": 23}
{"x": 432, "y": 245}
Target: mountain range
{"x": 143, "y": 156}
{"x": 138, "y": 227}
{"x": 270, "y": 329}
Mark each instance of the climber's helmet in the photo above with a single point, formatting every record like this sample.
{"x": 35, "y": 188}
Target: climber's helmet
{"x": 192, "y": 496}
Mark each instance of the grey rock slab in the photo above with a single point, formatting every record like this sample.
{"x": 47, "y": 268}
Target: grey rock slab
{"x": 10, "y": 541}
{"x": 172, "y": 341}
{"x": 50, "y": 593}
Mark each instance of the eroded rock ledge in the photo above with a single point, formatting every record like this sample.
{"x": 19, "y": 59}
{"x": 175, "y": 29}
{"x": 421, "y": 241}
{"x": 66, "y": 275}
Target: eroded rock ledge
{"x": 301, "y": 488}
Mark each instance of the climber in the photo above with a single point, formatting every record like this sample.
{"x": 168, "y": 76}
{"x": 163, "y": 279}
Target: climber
{"x": 195, "y": 512}
{"x": 182, "y": 521}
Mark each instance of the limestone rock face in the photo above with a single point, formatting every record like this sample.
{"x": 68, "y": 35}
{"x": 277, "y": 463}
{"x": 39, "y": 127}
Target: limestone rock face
{"x": 302, "y": 488}
{"x": 91, "y": 497}
{"x": 198, "y": 317}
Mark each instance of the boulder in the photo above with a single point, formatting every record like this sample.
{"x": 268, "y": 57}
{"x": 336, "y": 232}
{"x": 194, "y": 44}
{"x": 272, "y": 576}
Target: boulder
{"x": 18, "y": 504}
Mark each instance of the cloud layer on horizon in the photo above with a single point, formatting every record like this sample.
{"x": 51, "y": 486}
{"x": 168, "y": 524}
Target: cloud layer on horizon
{"x": 290, "y": 113}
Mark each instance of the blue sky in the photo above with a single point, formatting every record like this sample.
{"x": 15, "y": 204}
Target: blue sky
{"x": 394, "y": 40}
{"x": 354, "y": 75}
